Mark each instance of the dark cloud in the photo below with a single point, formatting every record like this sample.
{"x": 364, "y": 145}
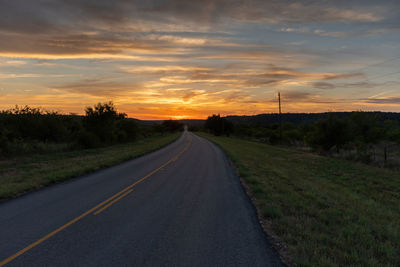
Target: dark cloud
{"x": 338, "y": 76}
{"x": 99, "y": 87}
{"x": 59, "y": 12}
{"x": 108, "y": 27}
{"x": 273, "y": 11}
{"x": 326, "y": 86}
{"x": 306, "y": 97}
{"x": 295, "y": 95}
{"x": 189, "y": 94}
{"x": 323, "y": 85}
{"x": 387, "y": 100}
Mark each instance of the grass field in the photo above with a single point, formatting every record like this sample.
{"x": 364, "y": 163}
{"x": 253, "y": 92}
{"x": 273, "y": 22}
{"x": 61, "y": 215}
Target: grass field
{"x": 24, "y": 174}
{"x": 328, "y": 212}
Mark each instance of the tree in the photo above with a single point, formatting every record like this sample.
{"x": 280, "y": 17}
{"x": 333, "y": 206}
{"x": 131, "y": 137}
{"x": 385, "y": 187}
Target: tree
{"x": 392, "y": 131}
{"x": 218, "y": 126}
{"x": 329, "y": 132}
{"x": 127, "y": 130}
{"x": 365, "y": 127}
{"x": 101, "y": 120}
{"x": 172, "y": 126}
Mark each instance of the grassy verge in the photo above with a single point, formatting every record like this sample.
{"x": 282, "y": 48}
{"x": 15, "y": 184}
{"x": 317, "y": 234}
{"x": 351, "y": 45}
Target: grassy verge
{"x": 24, "y": 174}
{"x": 329, "y": 212}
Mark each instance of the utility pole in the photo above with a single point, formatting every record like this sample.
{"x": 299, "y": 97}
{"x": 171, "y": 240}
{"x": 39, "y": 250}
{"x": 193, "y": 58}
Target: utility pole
{"x": 280, "y": 117}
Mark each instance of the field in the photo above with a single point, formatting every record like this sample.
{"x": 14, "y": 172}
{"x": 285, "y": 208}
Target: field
{"x": 23, "y": 174}
{"x": 327, "y": 211}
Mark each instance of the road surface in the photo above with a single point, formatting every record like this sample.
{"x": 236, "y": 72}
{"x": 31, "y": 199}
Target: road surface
{"x": 179, "y": 206}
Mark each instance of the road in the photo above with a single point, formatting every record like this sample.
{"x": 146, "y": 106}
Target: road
{"x": 182, "y": 205}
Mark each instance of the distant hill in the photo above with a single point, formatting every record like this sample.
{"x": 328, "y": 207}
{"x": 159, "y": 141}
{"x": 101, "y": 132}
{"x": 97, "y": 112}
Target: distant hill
{"x": 149, "y": 122}
{"x": 273, "y": 118}
{"x": 300, "y": 118}
{"x": 193, "y": 122}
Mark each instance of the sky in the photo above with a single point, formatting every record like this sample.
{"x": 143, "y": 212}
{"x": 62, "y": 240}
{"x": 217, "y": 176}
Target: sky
{"x": 189, "y": 59}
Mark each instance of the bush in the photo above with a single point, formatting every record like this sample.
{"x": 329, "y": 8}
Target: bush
{"x": 127, "y": 130}
{"x": 4, "y": 144}
{"x": 87, "y": 139}
{"x": 33, "y": 130}
{"x": 328, "y": 133}
{"x": 172, "y": 126}
{"x": 218, "y": 126}
{"x": 101, "y": 120}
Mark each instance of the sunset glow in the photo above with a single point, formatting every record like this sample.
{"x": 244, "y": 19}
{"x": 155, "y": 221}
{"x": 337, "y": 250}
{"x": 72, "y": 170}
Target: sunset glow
{"x": 189, "y": 59}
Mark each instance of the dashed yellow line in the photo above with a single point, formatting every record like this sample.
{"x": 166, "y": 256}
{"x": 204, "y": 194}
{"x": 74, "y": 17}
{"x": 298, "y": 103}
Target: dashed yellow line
{"x": 97, "y": 209}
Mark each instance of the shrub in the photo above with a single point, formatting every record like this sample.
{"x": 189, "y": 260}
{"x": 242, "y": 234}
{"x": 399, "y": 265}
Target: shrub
{"x": 172, "y": 126}
{"x": 127, "y": 130}
{"x": 101, "y": 120}
{"x": 218, "y": 126}
{"x": 328, "y": 133}
{"x": 87, "y": 139}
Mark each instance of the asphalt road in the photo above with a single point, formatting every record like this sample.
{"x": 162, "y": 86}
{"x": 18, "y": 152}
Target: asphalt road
{"x": 179, "y": 206}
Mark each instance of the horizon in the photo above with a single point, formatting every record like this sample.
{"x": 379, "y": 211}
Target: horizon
{"x": 188, "y": 60}
{"x": 205, "y": 118}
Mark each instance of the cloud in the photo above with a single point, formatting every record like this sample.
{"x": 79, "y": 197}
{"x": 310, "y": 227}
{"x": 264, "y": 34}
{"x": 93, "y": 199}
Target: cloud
{"x": 102, "y": 87}
{"x": 68, "y": 28}
{"x": 319, "y": 32}
{"x": 386, "y": 100}
{"x": 12, "y": 63}
{"x": 70, "y": 45}
{"x": 177, "y": 40}
{"x": 296, "y": 96}
{"x": 339, "y": 76}
{"x": 323, "y": 85}
{"x": 273, "y": 11}
{"x": 232, "y": 76}
{"x": 21, "y": 75}
{"x": 350, "y": 85}
{"x": 163, "y": 69}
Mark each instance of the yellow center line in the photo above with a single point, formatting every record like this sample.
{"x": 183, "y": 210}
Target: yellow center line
{"x": 112, "y": 202}
{"x": 113, "y": 199}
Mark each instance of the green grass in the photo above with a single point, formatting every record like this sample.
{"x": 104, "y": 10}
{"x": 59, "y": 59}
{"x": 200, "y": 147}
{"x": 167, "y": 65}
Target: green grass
{"x": 24, "y": 174}
{"x": 328, "y": 212}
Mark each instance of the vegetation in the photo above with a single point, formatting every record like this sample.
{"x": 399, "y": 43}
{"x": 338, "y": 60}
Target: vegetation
{"x": 360, "y": 136}
{"x": 169, "y": 126}
{"x": 23, "y": 174}
{"x": 218, "y": 126}
{"x": 38, "y": 147}
{"x": 328, "y": 211}
{"x": 29, "y": 130}
{"x": 301, "y": 118}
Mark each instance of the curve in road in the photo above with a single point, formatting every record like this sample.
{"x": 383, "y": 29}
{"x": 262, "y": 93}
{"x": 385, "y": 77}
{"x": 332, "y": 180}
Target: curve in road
{"x": 179, "y": 206}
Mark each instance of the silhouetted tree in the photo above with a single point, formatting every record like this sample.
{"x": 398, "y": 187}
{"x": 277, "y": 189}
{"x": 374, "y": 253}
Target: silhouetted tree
{"x": 328, "y": 133}
{"x": 101, "y": 121}
{"x": 218, "y": 126}
{"x": 127, "y": 130}
{"x": 392, "y": 131}
{"x": 172, "y": 125}
{"x": 365, "y": 128}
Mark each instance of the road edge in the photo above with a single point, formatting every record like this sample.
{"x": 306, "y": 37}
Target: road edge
{"x": 72, "y": 178}
{"x": 276, "y": 242}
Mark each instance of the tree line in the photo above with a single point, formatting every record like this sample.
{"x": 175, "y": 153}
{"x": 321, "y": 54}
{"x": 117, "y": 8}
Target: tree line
{"x": 29, "y": 130}
{"x": 360, "y": 135}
